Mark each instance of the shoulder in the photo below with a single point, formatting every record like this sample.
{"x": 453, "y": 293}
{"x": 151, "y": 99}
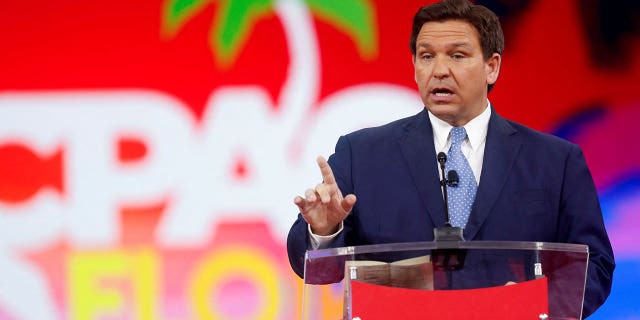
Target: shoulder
{"x": 541, "y": 141}
{"x": 392, "y": 130}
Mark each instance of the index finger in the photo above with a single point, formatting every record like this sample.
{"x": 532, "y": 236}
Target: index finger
{"x": 325, "y": 169}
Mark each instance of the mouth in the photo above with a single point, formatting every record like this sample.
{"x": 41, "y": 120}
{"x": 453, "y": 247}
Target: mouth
{"x": 442, "y": 93}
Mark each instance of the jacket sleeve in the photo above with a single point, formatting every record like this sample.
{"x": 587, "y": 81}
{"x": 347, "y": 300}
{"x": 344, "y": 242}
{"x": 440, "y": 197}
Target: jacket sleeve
{"x": 582, "y": 222}
{"x": 298, "y": 238}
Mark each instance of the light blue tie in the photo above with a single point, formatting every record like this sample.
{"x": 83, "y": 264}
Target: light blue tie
{"x": 461, "y": 197}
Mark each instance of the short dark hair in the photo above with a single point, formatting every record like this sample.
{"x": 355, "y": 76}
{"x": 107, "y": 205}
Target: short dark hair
{"x": 482, "y": 19}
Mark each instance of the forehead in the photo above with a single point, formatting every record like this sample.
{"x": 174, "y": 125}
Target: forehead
{"x": 444, "y": 32}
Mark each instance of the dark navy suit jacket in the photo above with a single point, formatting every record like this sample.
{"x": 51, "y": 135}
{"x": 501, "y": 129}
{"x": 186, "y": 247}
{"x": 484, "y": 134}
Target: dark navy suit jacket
{"x": 533, "y": 187}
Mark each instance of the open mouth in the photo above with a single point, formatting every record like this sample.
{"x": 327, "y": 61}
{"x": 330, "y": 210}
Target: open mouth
{"x": 442, "y": 92}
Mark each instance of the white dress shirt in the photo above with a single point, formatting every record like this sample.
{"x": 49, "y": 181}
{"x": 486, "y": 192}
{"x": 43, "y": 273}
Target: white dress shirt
{"x": 472, "y": 148}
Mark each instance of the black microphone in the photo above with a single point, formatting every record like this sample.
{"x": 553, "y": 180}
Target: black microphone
{"x": 442, "y": 159}
{"x": 452, "y": 178}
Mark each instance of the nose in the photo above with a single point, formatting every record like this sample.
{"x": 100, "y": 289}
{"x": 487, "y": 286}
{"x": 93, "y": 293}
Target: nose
{"x": 441, "y": 68}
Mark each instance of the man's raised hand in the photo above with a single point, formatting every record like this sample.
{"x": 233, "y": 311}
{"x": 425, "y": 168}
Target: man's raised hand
{"x": 324, "y": 207}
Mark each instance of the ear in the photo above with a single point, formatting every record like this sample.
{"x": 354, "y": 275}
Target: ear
{"x": 413, "y": 60}
{"x": 492, "y": 68}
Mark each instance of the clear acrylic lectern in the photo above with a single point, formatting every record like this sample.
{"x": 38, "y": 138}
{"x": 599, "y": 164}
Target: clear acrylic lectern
{"x": 448, "y": 280}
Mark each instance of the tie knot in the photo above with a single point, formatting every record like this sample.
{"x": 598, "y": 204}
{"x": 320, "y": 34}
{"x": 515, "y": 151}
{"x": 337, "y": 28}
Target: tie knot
{"x": 458, "y": 134}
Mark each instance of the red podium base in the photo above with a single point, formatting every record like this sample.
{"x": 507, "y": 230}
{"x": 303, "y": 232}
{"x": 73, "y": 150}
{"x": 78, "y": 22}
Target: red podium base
{"x": 526, "y": 300}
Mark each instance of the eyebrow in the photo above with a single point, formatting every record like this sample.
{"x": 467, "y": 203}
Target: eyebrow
{"x": 448, "y": 46}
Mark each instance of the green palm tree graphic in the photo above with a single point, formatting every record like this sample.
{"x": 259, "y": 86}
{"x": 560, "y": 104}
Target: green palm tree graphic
{"x": 234, "y": 20}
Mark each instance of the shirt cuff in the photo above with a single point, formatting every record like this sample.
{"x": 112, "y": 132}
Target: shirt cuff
{"x": 321, "y": 242}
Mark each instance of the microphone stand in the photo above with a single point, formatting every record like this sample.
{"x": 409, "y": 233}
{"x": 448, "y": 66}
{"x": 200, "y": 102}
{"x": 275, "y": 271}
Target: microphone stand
{"x": 447, "y": 237}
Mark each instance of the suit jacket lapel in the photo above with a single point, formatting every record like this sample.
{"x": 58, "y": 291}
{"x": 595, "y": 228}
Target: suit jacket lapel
{"x": 420, "y": 155}
{"x": 500, "y": 153}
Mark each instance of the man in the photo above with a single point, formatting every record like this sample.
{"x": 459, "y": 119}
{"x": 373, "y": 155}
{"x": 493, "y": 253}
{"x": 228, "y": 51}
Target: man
{"x": 382, "y": 184}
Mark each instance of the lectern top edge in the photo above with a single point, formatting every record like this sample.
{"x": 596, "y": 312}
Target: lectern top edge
{"x": 430, "y": 245}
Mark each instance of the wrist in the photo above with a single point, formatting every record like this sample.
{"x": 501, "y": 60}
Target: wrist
{"x": 327, "y": 231}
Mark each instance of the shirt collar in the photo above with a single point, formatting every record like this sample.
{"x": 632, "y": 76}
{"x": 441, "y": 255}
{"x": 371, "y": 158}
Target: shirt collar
{"x": 476, "y": 129}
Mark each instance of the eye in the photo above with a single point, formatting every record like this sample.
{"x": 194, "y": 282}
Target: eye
{"x": 458, "y": 56}
{"x": 427, "y": 56}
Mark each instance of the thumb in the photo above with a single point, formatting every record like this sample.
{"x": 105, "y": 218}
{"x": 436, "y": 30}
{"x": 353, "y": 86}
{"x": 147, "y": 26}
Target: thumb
{"x": 348, "y": 202}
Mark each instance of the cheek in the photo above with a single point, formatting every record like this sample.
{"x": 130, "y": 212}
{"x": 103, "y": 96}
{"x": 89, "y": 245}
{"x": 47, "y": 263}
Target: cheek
{"x": 476, "y": 79}
{"x": 421, "y": 76}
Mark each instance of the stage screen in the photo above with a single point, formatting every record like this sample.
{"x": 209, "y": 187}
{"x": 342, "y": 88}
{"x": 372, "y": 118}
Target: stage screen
{"x": 150, "y": 151}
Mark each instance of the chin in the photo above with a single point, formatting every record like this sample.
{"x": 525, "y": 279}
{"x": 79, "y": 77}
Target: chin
{"x": 443, "y": 109}
{"x": 446, "y": 113}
